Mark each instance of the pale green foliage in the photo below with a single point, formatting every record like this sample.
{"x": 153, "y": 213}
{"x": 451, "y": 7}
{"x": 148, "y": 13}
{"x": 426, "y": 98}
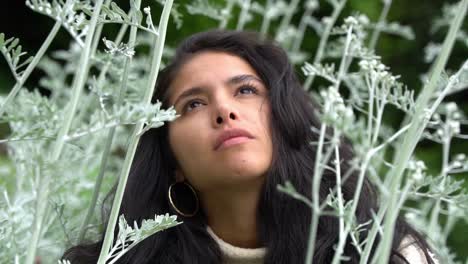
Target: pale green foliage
{"x": 72, "y": 14}
{"x": 439, "y": 24}
{"x": 12, "y": 52}
{"x": 335, "y": 112}
{"x": 175, "y": 13}
{"x": 120, "y": 49}
{"x": 204, "y": 7}
{"x": 344, "y": 59}
{"x": 385, "y": 86}
{"x": 35, "y": 121}
{"x": 289, "y": 189}
{"x": 395, "y": 28}
{"x": 114, "y": 14}
{"x": 129, "y": 236}
{"x": 326, "y": 71}
{"x": 449, "y": 10}
{"x": 15, "y": 219}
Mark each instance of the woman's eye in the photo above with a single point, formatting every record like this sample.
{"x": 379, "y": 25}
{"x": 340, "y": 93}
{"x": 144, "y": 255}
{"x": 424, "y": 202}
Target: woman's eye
{"x": 247, "y": 90}
{"x": 191, "y": 105}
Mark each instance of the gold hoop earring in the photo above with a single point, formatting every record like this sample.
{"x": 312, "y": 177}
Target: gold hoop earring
{"x": 169, "y": 194}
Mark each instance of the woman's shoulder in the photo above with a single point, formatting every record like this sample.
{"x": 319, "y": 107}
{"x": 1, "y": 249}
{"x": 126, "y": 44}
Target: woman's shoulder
{"x": 411, "y": 250}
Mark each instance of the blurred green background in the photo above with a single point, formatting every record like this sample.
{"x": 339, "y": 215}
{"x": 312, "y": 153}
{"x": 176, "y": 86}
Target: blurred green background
{"x": 404, "y": 57}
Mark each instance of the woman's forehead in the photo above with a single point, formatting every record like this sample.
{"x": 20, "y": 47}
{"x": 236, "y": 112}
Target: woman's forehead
{"x": 207, "y": 67}
{"x": 213, "y": 61}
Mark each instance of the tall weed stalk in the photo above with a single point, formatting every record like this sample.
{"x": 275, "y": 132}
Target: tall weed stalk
{"x": 84, "y": 131}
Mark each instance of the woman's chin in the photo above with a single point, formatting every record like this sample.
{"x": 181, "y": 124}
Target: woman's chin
{"x": 243, "y": 171}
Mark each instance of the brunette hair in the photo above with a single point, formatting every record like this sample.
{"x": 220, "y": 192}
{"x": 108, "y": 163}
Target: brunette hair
{"x": 283, "y": 221}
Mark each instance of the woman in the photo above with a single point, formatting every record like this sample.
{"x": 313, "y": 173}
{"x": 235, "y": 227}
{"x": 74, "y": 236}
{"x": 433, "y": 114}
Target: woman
{"x": 244, "y": 128}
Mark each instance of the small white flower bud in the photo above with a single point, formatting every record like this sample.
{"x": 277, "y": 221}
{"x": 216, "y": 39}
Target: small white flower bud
{"x": 456, "y": 164}
{"x": 326, "y": 20}
{"x": 454, "y": 126}
{"x": 351, "y": 20}
{"x": 451, "y": 107}
{"x": 363, "y": 19}
{"x": 439, "y": 132}
{"x": 383, "y": 74}
{"x": 420, "y": 165}
{"x": 460, "y": 157}
{"x": 410, "y": 215}
{"x": 311, "y": 5}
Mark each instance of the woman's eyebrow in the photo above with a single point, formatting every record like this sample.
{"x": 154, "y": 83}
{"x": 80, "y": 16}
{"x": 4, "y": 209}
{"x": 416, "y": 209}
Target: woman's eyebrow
{"x": 231, "y": 81}
{"x": 242, "y": 78}
{"x": 189, "y": 92}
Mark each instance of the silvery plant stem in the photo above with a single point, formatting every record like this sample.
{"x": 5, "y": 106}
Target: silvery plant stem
{"x": 434, "y": 219}
{"x": 227, "y": 15}
{"x": 103, "y": 72}
{"x": 417, "y": 125}
{"x": 319, "y": 160}
{"x": 266, "y": 19}
{"x": 344, "y": 63}
{"x": 315, "y": 197}
{"x": 78, "y": 84}
{"x": 376, "y": 226}
{"x": 111, "y": 133}
{"x": 379, "y": 25}
{"x": 96, "y": 40}
{"x": 40, "y": 53}
{"x": 302, "y": 29}
{"x": 340, "y": 199}
{"x": 155, "y": 65}
{"x": 324, "y": 40}
{"x": 362, "y": 170}
{"x": 347, "y": 229}
{"x": 287, "y": 17}
{"x": 243, "y": 15}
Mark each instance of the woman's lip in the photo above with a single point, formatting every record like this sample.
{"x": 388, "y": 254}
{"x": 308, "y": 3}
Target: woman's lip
{"x": 227, "y": 134}
{"x": 233, "y": 141}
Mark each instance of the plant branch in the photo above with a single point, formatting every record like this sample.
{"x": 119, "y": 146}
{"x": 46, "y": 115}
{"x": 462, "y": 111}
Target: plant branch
{"x": 78, "y": 84}
{"x": 380, "y": 23}
{"x": 315, "y": 195}
{"x": 417, "y": 125}
{"x": 324, "y": 40}
{"x": 22, "y": 79}
{"x": 243, "y": 15}
{"x": 111, "y": 133}
{"x": 155, "y": 65}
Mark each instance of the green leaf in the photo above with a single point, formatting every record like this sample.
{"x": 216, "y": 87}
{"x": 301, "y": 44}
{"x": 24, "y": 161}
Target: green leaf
{"x": 8, "y": 41}
{"x": 2, "y": 39}
{"x": 16, "y": 55}
{"x": 136, "y": 11}
{"x": 88, "y": 11}
{"x": 118, "y": 10}
{"x": 13, "y": 44}
{"x": 26, "y": 62}
{"x": 105, "y": 10}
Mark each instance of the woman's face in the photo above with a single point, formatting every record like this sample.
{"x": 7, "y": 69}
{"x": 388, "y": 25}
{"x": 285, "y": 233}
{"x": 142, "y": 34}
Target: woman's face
{"x": 222, "y": 138}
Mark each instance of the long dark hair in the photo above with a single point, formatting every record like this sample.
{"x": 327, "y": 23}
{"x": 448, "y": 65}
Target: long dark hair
{"x": 283, "y": 221}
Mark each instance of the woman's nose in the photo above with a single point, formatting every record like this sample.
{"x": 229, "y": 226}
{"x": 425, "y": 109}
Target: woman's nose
{"x": 225, "y": 114}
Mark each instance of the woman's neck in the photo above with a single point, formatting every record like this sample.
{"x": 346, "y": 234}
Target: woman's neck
{"x": 232, "y": 214}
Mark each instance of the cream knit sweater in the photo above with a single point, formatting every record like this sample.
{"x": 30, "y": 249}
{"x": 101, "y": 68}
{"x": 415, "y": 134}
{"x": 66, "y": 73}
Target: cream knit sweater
{"x": 238, "y": 255}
